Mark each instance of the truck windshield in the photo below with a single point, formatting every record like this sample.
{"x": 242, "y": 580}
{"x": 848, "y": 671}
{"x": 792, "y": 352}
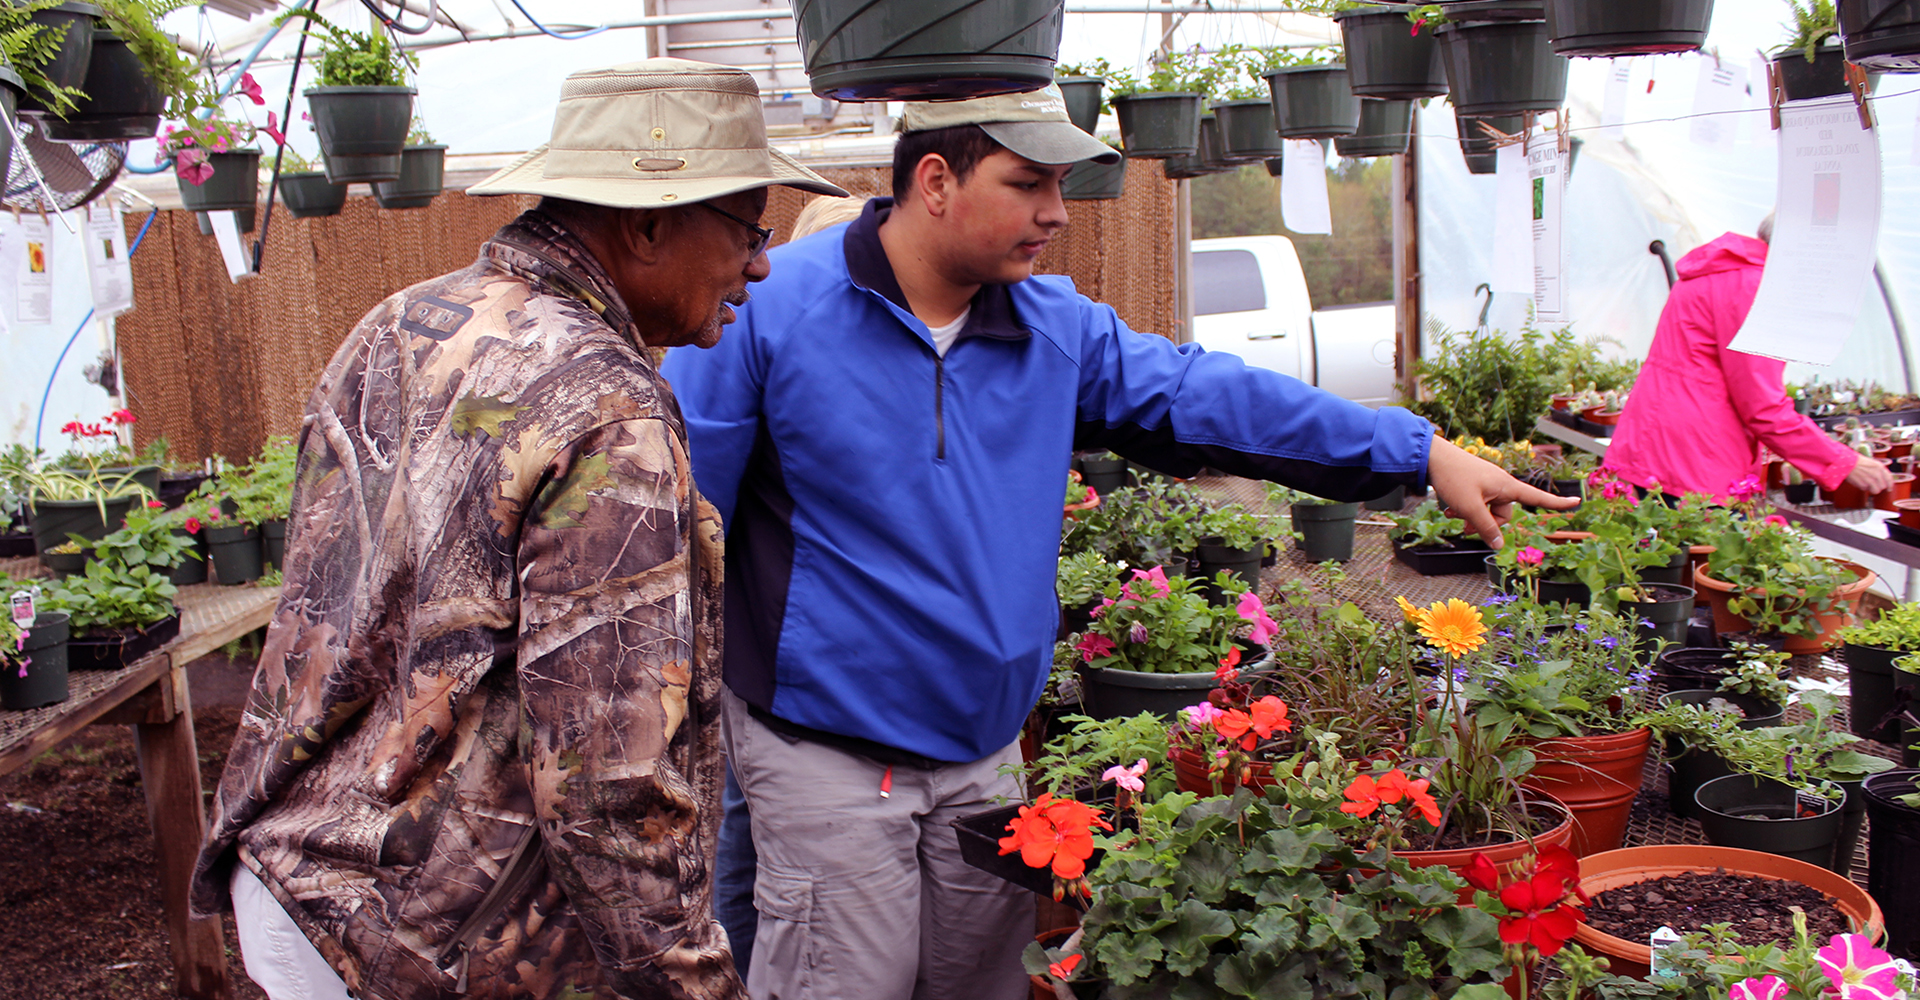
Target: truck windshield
{"x": 1227, "y": 281}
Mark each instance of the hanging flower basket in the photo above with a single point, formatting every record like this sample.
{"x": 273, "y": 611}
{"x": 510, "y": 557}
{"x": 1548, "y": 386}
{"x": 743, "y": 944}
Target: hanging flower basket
{"x": 1313, "y": 102}
{"x": 1386, "y": 129}
{"x": 1158, "y": 125}
{"x": 422, "y": 177}
{"x": 1825, "y": 76}
{"x": 1386, "y": 57}
{"x": 1501, "y": 67}
{"x": 121, "y": 102}
{"x": 67, "y": 67}
{"x": 1477, "y": 146}
{"x": 1606, "y": 28}
{"x": 362, "y": 130}
{"x": 1247, "y": 129}
{"x": 233, "y": 185}
{"x": 1090, "y": 181}
{"x": 1083, "y": 95}
{"x": 859, "y": 50}
{"x": 310, "y": 195}
{"x": 1204, "y": 160}
{"x": 1882, "y": 34}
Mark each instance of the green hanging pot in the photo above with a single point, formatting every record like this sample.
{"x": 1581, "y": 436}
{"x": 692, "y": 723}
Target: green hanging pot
{"x": 1386, "y": 129}
{"x": 361, "y": 130}
{"x": 1313, "y": 102}
{"x": 122, "y": 101}
{"x": 310, "y": 195}
{"x": 234, "y": 186}
{"x": 1090, "y": 181}
{"x": 1083, "y": 95}
{"x": 1204, "y": 160}
{"x": 861, "y": 50}
{"x": 1609, "y": 28}
{"x": 1501, "y": 67}
{"x": 1481, "y": 154}
{"x": 1386, "y": 57}
{"x": 1247, "y": 129}
{"x": 423, "y": 171}
{"x": 1882, "y": 34}
{"x": 1159, "y": 125}
{"x": 67, "y": 66}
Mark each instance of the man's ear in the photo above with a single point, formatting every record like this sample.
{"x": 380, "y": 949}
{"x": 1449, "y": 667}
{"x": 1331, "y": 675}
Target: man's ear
{"x": 934, "y": 181}
{"x": 643, "y": 233}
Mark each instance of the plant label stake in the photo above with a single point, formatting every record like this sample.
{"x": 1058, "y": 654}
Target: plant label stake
{"x": 23, "y": 610}
{"x": 1661, "y": 941}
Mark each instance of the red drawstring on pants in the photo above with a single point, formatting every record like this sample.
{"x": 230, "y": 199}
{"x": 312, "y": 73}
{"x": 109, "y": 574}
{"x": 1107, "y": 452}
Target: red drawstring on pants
{"x": 886, "y": 783}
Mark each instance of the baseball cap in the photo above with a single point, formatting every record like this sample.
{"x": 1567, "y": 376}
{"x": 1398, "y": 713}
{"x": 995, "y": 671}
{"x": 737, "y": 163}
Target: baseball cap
{"x": 1034, "y": 125}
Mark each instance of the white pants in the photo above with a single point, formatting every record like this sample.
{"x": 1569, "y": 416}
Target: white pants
{"x": 278, "y": 955}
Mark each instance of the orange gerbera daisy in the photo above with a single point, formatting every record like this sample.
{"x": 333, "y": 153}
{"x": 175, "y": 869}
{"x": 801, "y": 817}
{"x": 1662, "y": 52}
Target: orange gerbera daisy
{"x": 1411, "y": 611}
{"x": 1453, "y": 626}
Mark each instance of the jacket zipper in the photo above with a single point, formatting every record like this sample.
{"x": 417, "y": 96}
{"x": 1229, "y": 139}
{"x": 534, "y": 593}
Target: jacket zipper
{"x": 939, "y": 407}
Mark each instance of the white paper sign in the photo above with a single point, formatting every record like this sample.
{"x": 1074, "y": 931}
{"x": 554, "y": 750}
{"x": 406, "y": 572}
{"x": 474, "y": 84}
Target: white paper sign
{"x": 1717, "y": 101}
{"x": 1547, "y": 181}
{"x": 1915, "y": 154}
{"x": 34, "y": 275}
{"x": 1825, "y": 233}
{"x": 1303, "y": 188}
{"x": 107, "y": 266}
{"x": 1613, "y": 108}
{"x": 226, "y": 232}
{"x": 1512, "y": 222}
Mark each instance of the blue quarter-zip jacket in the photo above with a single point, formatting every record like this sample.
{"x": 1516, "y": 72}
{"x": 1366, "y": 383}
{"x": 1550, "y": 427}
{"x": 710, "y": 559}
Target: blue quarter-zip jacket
{"x": 893, "y": 518}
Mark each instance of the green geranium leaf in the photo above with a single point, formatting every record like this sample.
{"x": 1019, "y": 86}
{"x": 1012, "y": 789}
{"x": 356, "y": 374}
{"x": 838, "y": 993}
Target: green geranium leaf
{"x": 1189, "y": 940}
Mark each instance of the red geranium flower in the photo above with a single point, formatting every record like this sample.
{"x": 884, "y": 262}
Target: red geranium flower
{"x": 1539, "y": 913}
{"x": 1056, "y": 833}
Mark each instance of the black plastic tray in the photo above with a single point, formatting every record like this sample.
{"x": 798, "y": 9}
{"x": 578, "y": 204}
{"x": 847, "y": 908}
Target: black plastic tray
{"x": 1447, "y": 561}
{"x": 1884, "y": 419}
{"x": 120, "y": 647}
{"x": 980, "y": 836}
{"x": 1901, "y": 533}
{"x": 15, "y": 544}
{"x": 1567, "y": 419}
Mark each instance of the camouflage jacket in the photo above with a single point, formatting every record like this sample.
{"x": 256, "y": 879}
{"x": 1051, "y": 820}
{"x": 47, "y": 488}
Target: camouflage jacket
{"x": 495, "y": 659}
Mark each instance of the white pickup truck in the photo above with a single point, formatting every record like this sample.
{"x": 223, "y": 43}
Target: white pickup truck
{"x": 1250, "y": 299}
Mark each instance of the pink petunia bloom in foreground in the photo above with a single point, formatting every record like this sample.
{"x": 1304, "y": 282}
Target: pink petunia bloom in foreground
{"x": 251, "y": 87}
{"x": 1776, "y": 520}
{"x": 1092, "y": 646}
{"x": 192, "y": 167}
{"x": 1858, "y": 970}
{"x": 1763, "y": 988}
{"x": 1254, "y": 610}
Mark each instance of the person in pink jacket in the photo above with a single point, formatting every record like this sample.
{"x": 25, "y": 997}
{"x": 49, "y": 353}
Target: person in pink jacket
{"x": 1699, "y": 413}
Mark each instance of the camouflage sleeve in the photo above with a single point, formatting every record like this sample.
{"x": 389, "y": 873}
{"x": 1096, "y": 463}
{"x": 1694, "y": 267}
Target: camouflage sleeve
{"x": 605, "y": 653}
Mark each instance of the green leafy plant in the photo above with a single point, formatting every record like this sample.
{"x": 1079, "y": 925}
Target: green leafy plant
{"x": 146, "y": 539}
{"x": 1235, "y": 525}
{"x": 1554, "y": 681}
{"x": 1757, "y": 671}
{"x": 1184, "y": 72}
{"x": 1779, "y": 584}
{"x": 1154, "y": 623}
{"x": 1810, "y": 755}
{"x": 1145, "y": 525}
{"x": 1082, "y": 578}
{"x": 1897, "y": 627}
{"x": 178, "y": 74}
{"x": 1428, "y": 526}
{"x": 262, "y": 491}
{"x": 29, "y": 46}
{"x": 109, "y": 596}
{"x": 355, "y": 59}
{"x": 1483, "y": 384}
{"x": 1810, "y": 23}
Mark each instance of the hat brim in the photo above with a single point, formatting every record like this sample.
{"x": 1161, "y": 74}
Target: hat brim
{"x": 527, "y": 175}
{"x": 1051, "y": 142}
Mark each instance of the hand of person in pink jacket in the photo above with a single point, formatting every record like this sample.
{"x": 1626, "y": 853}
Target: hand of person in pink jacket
{"x": 1870, "y": 475}
{"x": 1480, "y": 492}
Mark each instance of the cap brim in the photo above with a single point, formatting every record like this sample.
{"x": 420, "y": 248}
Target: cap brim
{"x": 527, "y": 175}
{"x": 1051, "y": 142}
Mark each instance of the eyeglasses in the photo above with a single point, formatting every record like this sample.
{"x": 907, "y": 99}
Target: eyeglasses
{"x": 761, "y": 235}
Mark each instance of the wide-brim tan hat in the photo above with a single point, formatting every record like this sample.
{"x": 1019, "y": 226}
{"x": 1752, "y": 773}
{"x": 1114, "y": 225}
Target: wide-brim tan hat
{"x": 653, "y": 134}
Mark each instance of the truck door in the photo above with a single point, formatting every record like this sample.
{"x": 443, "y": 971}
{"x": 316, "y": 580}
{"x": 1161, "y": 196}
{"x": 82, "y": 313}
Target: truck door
{"x": 1231, "y": 312}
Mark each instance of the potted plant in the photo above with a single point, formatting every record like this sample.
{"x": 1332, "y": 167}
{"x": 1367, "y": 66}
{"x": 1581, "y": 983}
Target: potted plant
{"x": 423, "y": 165}
{"x": 1483, "y": 384}
{"x": 1312, "y": 99}
{"x": 1324, "y": 528}
{"x": 1385, "y": 129}
{"x": 1870, "y": 649}
{"x": 87, "y": 497}
{"x": 1435, "y": 544}
{"x": 1153, "y": 524}
{"x": 860, "y": 51}
{"x": 1881, "y": 34}
{"x": 49, "y": 46}
{"x": 1893, "y": 860}
{"x": 1584, "y": 28}
{"x": 1160, "y": 115}
{"x": 1083, "y": 88}
{"x": 33, "y": 660}
{"x": 147, "y": 538}
{"x": 233, "y": 546}
{"x": 1156, "y": 641}
{"x": 1499, "y": 60}
{"x": 262, "y": 495}
{"x": 117, "y": 614}
{"x": 1799, "y": 490}
{"x": 1687, "y": 723}
{"x": 305, "y": 189}
{"x": 361, "y": 105}
{"x": 1091, "y": 181}
{"x": 1477, "y": 147}
{"x": 1234, "y": 540}
{"x": 1244, "y": 114}
{"x": 1812, "y": 63}
{"x": 1764, "y": 577}
{"x": 1103, "y": 471}
{"x": 1384, "y": 58}
{"x": 136, "y": 74}
{"x": 215, "y": 168}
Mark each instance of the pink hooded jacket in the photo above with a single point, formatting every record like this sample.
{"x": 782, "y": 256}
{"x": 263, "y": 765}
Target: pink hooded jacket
{"x": 1699, "y": 413}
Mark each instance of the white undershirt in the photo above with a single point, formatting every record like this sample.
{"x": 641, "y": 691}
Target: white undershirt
{"x": 943, "y": 336}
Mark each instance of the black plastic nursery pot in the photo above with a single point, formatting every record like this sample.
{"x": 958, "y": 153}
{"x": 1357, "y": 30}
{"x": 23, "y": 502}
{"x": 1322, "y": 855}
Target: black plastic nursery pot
{"x": 1247, "y": 129}
{"x": 1393, "y": 499}
{"x": 1083, "y": 94}
{"x": 1477, "y": 147}
{"x": 114, "y": 648}
{"x": 273, "y": 543}
{"x": 1501, "y": 67}
{"x": 1565, "y": 592}
{"x": 1467, "y": 555}
{"x": 1104, "y": 474}
{"x": 234, "y": 186}
{"x": 1569, "y": 488}
{"x": 121, "y": 102}
{"x": 53, "y": 520}
{"x": 1159, "y": 126}
{"x": 1871, "y": 678}
{"x": 1691, "y": 768}
{"x": 1090, "y": 181}
{"x": 1893, "y": 856}
{"x": 309, "y": 195}
{"x": 66, "y": 564}
{"x": 361, "y": 130}
{"x": 1882, "y": 34}
{"x": 1386, "y": 58}
{"x": 1386, "y": 129}
{"x": 175, "y": 487}
{"x": 1685, "y": 669}
{"x": 1273, "y": 166}
{"x": 423, "y": 171}
{"x": 1109, "y": 693}
{"x": 1760, "y": 814}
{"x": 1800, "y": 493}
{"x": 859, "y": 50}
{"x": 39, "y": 677}
{"x": 1853, "y": 818}
{"x": 235, "y": 553}
{"x": 1497, "y": 575}
{"x": 193, "y": 566}
{"x": 12, "y": 90}
{"x": 1326, "y": 530}
{"x": 1313, "y": 102}
{"x": 1243, "y": 563}
{"x": 1669, "y": 612}
{"x": 1674, "y": 572}
{"x": 1825, "y": 76}
{"x": 67, "y": 67}
{"x": 1605, "y": 28}
{"x": 1198, "y": 163}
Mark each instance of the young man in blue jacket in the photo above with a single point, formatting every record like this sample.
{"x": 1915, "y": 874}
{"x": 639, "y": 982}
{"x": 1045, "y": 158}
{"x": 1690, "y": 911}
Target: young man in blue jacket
{"x": 885, "y": 430}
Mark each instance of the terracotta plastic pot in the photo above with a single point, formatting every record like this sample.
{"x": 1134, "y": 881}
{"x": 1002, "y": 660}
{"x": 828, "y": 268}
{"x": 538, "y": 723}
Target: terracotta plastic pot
{"x": 1190, "y": 773}
{"x": 1597, "y": 777}
{"x": 1901, "y": 489}
{"x": 1847, "y": 496}
{"x": 1601, "y": 415}
{"x": 1697, "y": 557}
{"x": 1505, "y": 856}
{"x": 1563, "y": 401}
{"x": 1909, "y": 512}
{"x": 1718, "y": 591}
{"x": 1613, "y": 869}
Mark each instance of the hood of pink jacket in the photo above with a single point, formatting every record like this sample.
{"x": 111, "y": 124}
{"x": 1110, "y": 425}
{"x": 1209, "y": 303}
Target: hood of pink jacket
{"x": 1729, "y": 252}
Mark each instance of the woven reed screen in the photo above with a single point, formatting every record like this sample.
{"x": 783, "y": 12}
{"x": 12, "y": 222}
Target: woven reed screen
{"x": 217, "y": 366}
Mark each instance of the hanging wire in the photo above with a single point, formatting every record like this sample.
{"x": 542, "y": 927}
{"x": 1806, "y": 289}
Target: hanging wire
{"x": 41, "y": 419}
{"x": 393, "y": 23}
{"x": 576, "y": 36}
{"x": 280, "y": 152}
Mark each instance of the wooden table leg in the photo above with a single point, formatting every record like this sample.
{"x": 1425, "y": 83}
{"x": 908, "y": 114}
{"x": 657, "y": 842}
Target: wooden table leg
{"x": 170, "y": 773}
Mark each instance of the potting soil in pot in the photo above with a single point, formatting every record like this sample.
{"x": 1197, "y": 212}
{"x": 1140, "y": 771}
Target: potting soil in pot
{"x": 1758, "y": 908}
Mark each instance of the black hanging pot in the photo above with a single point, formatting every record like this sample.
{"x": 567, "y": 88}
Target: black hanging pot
{"x": 860, "y": 50}
{"x": 1386, "y": 57}
{"x": 1213, "y": 151}
{"x": 67, "y": 67}
{"x": 1604, "y": 28}
{"x": 1477, "y": 147}
{"x": 310, "y": 195}
{"x": 53, "y": 520}
{"x": 1882, "y": 34}
{"x": 1313, "y": 102}
{"x": 1501, "y": 67}
{"x": 1159, "y": 126}
{"x": 1090, "y": 181}
{"x": 39, "y": 676}
{"x": 1204, "y": 160}
{"x": 1274, "y": 166}
{"x": 1871, "y": 679}
{"x": 1693, "y": 767}
{"x": 361, "y": 130}
{"x": 423, "y": 171}
{"x": 1247, "y": 129}
{"x": 234, "y": 186}
{"x": 12, "y": 89}
{"x": 1825, "y": 76}
{"x": 244, "y": 220}
{"x": 1104, "y": 474}
{"x": 1386, "y": 129}
{"x": 1326, "y": 530}
{"x": 1893, "y": 856}
{"x": 1082, "y": 94}
{"x": 121, "y": 102}
{"x": 1761, "y": 814}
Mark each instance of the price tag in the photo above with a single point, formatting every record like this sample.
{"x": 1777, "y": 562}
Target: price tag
{"x": 23, "y": 611}
{"x": 1661, "y": 941}
{"x": 1813, "y": 800}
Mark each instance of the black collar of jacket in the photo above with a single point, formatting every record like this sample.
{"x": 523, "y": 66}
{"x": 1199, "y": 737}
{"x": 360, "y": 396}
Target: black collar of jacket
{"x": 538, "y": 247}
{"x": 993, "y": 314}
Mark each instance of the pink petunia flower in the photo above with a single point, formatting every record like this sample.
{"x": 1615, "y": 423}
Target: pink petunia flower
{"x": 272, "y": 128}
{"x": 1254, "y": 610}
{"x": 192, "y": 166}
{"x": 1156, "y": 576}
{"x": 251, "y": 87}
{"x": 1127, "y": 777}
{"x": 1858, "y": 970}
{"x": 1138, "y": 633}
{"x": 1201, "y": 716}
{"x": 1763, "y": 988}
{"x": 1093, "y": 646}
{"x": 1776, "y": 520}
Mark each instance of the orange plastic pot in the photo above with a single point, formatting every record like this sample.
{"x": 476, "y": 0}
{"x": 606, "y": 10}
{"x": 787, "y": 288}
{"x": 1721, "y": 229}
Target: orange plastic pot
{"x": 1190, "y": 774}
{"x": 1774, "y": 478}
{"x": 1042, "y": 989}
{"x": 1909, "y": 512}
{"x": 1568, "y": 536}
{"x": 1847, "y": 496}
{"x": 1613, "y": 869}
{"x": 1901, "y": 449}
{"x": 1601, "y": 415}
{"x": 1697, "y": 557}
{"x": 1563, "y": 401}
{"x": 1597, "y": 778}
{"x": 1901, "y": 489}
{"x": 1505, "y": 856}
{"x": 1848, "y": 604}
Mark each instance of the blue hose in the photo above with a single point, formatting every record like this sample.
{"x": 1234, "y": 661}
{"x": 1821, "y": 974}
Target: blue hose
{"x": 575, "y": 36}
{"x": 88, "y": 318}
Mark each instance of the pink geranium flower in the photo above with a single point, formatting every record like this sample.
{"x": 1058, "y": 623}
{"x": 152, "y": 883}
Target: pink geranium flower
{"x": 1763, "y": 988}
{"x": 1858, "y": 970}
{"x": 1530, "y": 556}
{"x": 1254, "y": 610}
{"x": 1746, "y": 488}
{"x": 1127, "y": 777}
{"x": 1201, "y": 716}
{"x": 1156, "y": 576}
{"x": 1093, "y": 646}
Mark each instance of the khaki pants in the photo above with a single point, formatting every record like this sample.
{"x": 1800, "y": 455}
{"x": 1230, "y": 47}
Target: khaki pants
{"x": 866, "y": 898}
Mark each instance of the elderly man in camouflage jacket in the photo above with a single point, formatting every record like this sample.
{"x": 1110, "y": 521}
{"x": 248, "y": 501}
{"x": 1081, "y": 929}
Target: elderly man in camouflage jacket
{"x": 482, "y": 751}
